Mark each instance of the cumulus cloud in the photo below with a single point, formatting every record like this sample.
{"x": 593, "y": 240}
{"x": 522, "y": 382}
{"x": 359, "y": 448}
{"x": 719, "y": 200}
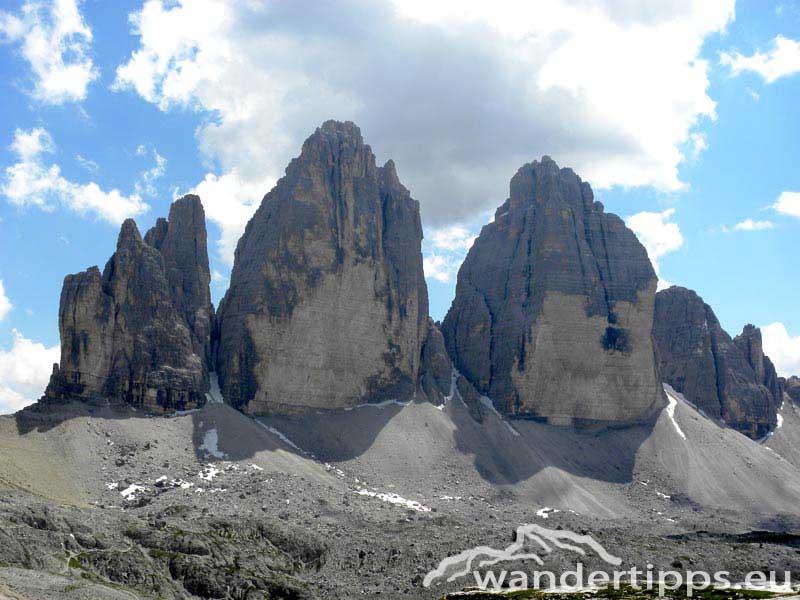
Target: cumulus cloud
{"x": 783, "y": 349}
{"x": 788, "y": 204}
{"x": 749, "y": 225}
{"x": 229, "y": 201}
{"x": 453, "y": 238}
{"x": 55, "y": 41}
{"x": 24, "y": 372}
{"x": 458, "y": 93}
{"x": 781, "y": 60}
{"x": 5, "y": 303}
{"x": 439, "y": 267}
{"x": 658, "y": 234}
{"x": 444, "y": 249}
{"x": 33, "y": 181}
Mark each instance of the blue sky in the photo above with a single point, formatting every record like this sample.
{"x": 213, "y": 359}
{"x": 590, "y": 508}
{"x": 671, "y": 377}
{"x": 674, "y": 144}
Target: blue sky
{"x": 683, "y": 116}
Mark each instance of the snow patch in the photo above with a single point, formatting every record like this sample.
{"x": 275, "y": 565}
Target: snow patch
{"x": 394, "y": 499}
{"x": 209, "y": 472}
{"x": 256, "y": 468}
{"x": 129, "y": 493}
{"x": 546, "y": 512}
{"x": 184, "y": 485}
{"x": 664, "y": 496}
{"x": 210, "y": 444}
{"x": 780, "y": 421}
{"x": 280, "y": 436}
{"x": 672, "y": 397}
{"x": 112, "y": 485}
{"x": 378, "y": 404}
{"x": 336, "y": 471}
{"x": 487, "y": 402}
{"x": 214, "y": 394}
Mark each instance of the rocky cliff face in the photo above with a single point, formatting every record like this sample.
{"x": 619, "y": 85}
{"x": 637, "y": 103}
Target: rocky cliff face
{"x": 791, "y": 387}
{"x": 750, "y": 344}
{"x": 183, "y": 242}
{"x": 435, "y": 369}
{"x": 699, "y": 359}
{"x": 140, "y": 332}
{"x": 553, "y": 312}
{"x": 327, "y": 305}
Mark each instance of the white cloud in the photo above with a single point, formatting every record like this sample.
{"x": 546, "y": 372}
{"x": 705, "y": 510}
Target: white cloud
{"x": 29, "y": 144}
{"x": 440, "y": 268}
{"x": 5, "y": 303}
{"x": 453, "y": 238}
{"x": 788, "y": 204}
{"x": 699, "y": 143}
{"x": 783, "y": 349}
{"x": 24, "y": 372}
{"x": 218, "y": 279}
{"x": 781, "y": 60}
{"x": 87, "y": 163}
{"x": 55, "y": 41}
{"x": 444, "y": 249}
{"x": 229, "y": 201}
{"x": 658, "y": 234}
{"x": 146, "y": 184}
{"x": 614, "y": 90}
{"x": 34, "y": 182}
{"x": 749, "y": 225}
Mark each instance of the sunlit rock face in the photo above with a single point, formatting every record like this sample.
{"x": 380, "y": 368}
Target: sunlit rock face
{"x": 140, "y": 332}
{"x": 728, "y": 379}
{"x": 553, "y": 312}
{"x": 327, "y": 306}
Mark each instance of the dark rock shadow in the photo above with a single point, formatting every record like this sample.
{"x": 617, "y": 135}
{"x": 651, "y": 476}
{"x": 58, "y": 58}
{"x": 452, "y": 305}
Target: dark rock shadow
{"x": 44, "y": 417}
{"x": 335, "y": 435}
{"x": 503, "y": 451}
{"x": 220, "y": 432}
{"x": 511, "y": 451}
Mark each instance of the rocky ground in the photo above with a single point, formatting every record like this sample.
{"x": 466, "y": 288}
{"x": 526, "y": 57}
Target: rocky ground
{"x": 103, "y": 503}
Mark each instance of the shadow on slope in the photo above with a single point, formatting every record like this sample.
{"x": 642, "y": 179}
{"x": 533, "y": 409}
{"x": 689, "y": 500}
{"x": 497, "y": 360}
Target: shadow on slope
{"x": 507, "y": 452}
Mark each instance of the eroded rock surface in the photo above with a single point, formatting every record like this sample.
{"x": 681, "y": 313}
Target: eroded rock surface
{"x": 327, "y": 306}
{"x": 752, "y": 346}
{"x": 435, "y": 369}
{"x": 140, "y": 332}
{"x": 725, "y": 379}
{"x": 791, "y": 387}
{"x": 553, "y": 311}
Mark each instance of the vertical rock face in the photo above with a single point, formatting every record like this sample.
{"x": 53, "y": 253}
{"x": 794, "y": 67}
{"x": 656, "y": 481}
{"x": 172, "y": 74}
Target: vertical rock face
{"x": 751, "y": 345}
{"x": 327, "y": 305}
{"x": 791, "y": 387}
{"x": 553, "y": 312}
{"x": 140, "y": 332}
{"x": 699, "y": 359}
{"x": 435, "y": 369}
{"x": 183, "y": 242}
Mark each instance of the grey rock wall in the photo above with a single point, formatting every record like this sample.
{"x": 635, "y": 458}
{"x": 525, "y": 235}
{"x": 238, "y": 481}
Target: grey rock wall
{"x": 140, "y": 332}
{"x": 553, "y": 312}
{"x": 700, "y": 360}
{"x": 327, "y": 306}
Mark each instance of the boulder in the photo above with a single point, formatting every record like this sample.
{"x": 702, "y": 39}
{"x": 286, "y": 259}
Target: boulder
{"x": 699, "y": 359}
{"x": 327, "y": 306}
{"x": 140, "y": 332}
{"x": 553, "y": 312}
